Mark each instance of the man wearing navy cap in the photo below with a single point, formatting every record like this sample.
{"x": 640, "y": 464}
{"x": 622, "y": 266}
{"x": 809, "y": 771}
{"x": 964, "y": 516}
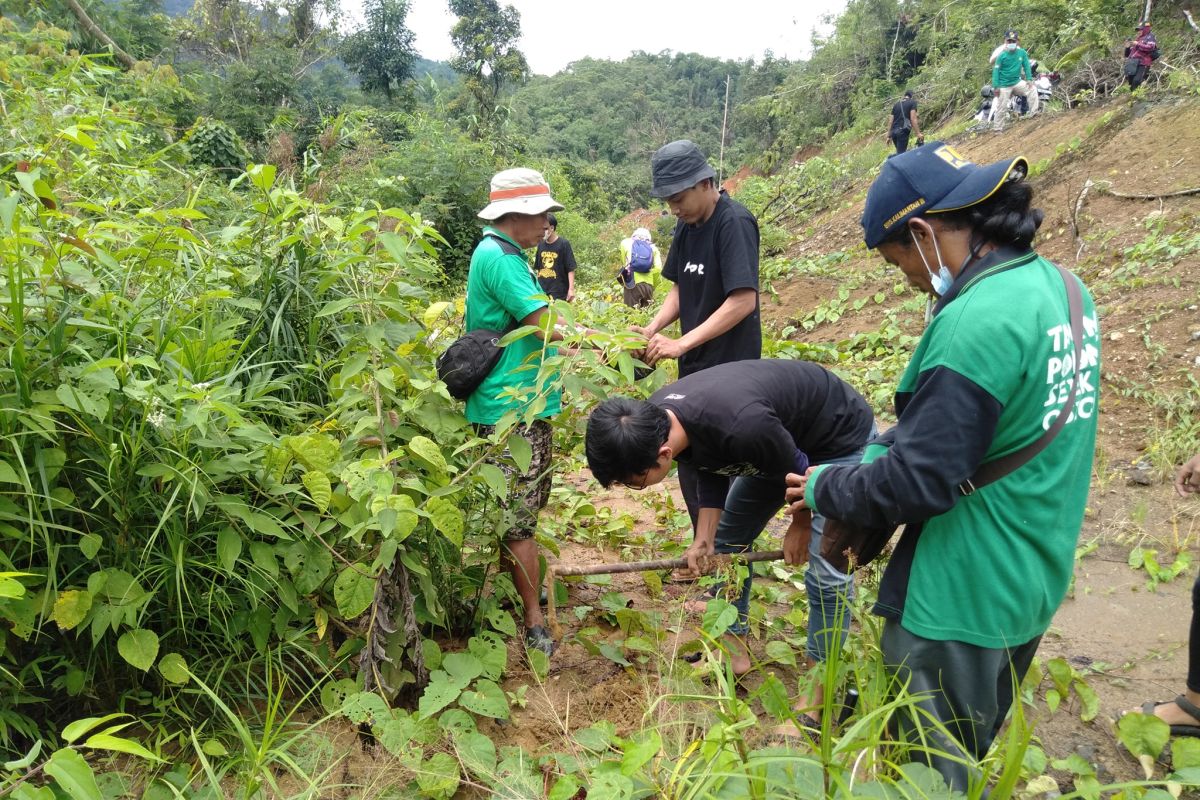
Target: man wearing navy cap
{"x": 1013, "y": 74}
{"x": 1005, "y": 368}
{"x": 713, "y": 264}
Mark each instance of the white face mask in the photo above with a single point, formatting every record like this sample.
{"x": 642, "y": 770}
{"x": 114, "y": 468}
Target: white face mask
{"x": 942, "y": 281}
{"x": 1010, "y": 46}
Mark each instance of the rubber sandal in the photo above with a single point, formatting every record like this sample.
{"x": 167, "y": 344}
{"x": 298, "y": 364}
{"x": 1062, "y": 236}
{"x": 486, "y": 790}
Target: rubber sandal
{"x": 538, "y": 638}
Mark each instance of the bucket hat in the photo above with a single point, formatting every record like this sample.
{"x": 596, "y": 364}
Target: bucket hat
{"x": 928, "y": 180}
{"x": 677, "y": 166}
{"x": 519, "y": 191}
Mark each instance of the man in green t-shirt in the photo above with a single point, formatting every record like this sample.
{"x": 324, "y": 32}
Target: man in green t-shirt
{"x": 979, "y": 572}
{"x": 503, "y": 293}
{"x": 1012, "y": 74}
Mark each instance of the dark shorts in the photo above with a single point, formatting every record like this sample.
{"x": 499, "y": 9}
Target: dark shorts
{"x": 527, "y": 491}
{"x": 640, "y": 294}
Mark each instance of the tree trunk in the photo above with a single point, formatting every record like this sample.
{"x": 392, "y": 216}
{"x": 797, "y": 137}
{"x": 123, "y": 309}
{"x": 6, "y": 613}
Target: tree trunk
{"x": 91, "y": 27}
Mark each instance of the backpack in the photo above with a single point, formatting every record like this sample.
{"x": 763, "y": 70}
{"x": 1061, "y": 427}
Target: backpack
{"x": 467, "y": 362}
{"x": 641, "y": 255}
{"x": 1155, "y": 54}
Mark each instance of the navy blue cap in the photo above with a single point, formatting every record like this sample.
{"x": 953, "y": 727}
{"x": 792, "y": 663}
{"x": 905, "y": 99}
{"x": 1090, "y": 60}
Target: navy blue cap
{"x": 927, "y": 180}
{"x": 677, "y": 166}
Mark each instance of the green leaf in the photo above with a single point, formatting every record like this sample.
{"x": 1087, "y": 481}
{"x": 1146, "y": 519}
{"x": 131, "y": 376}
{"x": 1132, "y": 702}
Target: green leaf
{"x": 90, "y": 544}
{"x": 353, "y": 591}
{"x": 11, "y": 589}
{"x": 501, "y": 620}
{"x": 447, "y": 518}
{"x": 79, "y": 727}
{"x": 139, "y": 647}
{"x": 495, "y": 479}
{"x": 264, "y": 524}
{"x": 1062, "y": 674}
{"x": 486, "y": 699}
{"x": 315, "y": 451}
{"x": 639, "y": 752}
{"x": 438, "y": 777}
{"x": 309, "y": 564}
{"x": 461, "y": 668}
{"x": 426, "y": 450}
{"x": 539, "y": 663}
{"x": 364, "y": 707}
{"x": 174, "y": 668}
{"x": 214, "y": 747}
{"x": 106, "y": 741}
{"x": 774, "y": 697}
{"x": 25, "y": 761}
{"x": 334, "y": 694}
{"x": 71, "y": 607}
{"x": 521, "y": 452}
{"x": 565, "y": 789}
{"x": 611, "y": 786}
{"x": 8, "y": 474}
{"x": 491, "y": 652}
{"x": 437, "y": 695}
{"x": 319, "y": 488}
{"x": 262, "y": 175}
{"x": 229, "y": 548}
{"x": 781, "y": 652}
{"x": 73, "y": 775}
{"x": 478, "y": 753}
{"x": 1089, "y": 700}
{"x": 718, "y": 616}
{"x": 1143, "y": 734}
{"x": 1185, "y": 753}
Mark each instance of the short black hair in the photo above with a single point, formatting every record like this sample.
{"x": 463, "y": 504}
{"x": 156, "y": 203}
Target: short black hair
{"x": 553, "y": 221}
{"x": 623, "y": 437}
{"x": 908, "y": 92}
{"x": 1006, "y": 219}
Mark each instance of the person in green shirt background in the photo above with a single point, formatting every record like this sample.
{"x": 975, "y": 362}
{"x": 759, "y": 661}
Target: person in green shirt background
{"x": 1012, "y": 74}
{"x": 503, "y": 293}
{"x": 979, "y": 572}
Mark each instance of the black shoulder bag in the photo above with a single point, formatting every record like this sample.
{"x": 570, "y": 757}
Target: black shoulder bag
{"x": 844, "y": 541}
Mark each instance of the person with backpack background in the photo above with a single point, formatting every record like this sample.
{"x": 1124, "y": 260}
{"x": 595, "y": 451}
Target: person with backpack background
{"x": 641, "y": 262}
{"x": 555, "y": 263}
{"x": 1012, "y": 74}
{"x": 903, "y": 123}
{"x": 1140, "y": 53}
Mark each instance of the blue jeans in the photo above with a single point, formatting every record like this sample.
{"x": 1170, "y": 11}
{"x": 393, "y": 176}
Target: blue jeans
{"x": 751, "y": 503}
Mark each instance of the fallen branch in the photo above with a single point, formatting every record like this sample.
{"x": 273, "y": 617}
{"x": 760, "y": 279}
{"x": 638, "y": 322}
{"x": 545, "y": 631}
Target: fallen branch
{"x": 1124, "y": 196}
{"x": 1079, "y": 244}
{"x": 558, "y": 570}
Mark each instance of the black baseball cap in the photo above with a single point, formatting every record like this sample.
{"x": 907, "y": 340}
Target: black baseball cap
{"x": 1011, "y": 35}
{"x": 928, "y": 180}
{"x": 677, "y": 166}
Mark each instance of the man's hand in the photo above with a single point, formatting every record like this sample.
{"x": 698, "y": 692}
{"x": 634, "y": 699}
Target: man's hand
{"x": 798, "y": 538}
{"x": 697, "y": 555}
{"x": 796, "y": 484}
{"x": 920, "y": 143}
{"x": 570, "y": 295}
{"x": 661, "y": 347}
{"x": 1187, "y": 480}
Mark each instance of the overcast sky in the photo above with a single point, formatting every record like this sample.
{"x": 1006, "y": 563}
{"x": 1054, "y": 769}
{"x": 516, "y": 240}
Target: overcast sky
{"x": 557, "y": 32}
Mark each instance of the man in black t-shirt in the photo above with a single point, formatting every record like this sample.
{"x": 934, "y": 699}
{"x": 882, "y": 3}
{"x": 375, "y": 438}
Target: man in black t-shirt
{"x": 713, "y": 263}
{"x": 903, "y": 122}
{"x": 753, "y": 421}
{"x": 555, "y": 263}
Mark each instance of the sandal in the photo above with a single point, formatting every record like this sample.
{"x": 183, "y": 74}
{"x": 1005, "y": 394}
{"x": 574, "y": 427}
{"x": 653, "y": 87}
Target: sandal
{"x": 538, "y": 638}
{"x": 1185, "y": 705}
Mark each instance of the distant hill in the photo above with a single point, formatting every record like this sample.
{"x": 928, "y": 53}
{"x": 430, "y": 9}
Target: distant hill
{"x": 440, "y": 71}
{"x": 177, "y": 8}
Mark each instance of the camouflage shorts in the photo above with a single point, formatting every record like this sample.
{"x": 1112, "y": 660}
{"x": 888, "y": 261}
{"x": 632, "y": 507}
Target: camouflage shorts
{"x": 527, "y": 491}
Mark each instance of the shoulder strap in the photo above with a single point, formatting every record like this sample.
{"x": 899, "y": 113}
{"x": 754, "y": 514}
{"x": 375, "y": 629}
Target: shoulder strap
{"x": 994, "y": 470}
{"x": 507, "y": 247}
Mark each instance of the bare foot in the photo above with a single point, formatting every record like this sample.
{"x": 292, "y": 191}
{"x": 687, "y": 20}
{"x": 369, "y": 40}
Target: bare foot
{"x": 684, "y": 575}
{"x": 1170, "y": 712}
{"x": 696, "y": 606}
{"x": 739, "y": 656}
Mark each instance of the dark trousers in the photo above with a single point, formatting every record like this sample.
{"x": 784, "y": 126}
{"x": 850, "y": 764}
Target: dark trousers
{"x": 900, "y": 139}
{"x": 967, "y": 689}
{"x": 1193, "y": 676}
{"x": 1135, "y": 73}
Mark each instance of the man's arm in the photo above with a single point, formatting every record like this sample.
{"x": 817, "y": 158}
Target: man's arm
{"x": 668, "y": 313}
{"x": 996, "y": 72}
{"x": 887, "y": 126}
{"x": 912, "y": 117}
{"x": 738, "y": 305}
{"x": 570, "y": 286}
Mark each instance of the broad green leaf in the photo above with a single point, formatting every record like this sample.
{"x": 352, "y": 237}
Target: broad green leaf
{"x": 521, "y": 452}
{"x": 398, "y": 736}
{"x": 565, "y": 789}
{"x": 1089, "y": 700}
{"x": 8, "y": 474}
{"x": 264, "y": 524}
{"x": 611, "y": 785}
{"x": 229, "y": 548}
{"x": 361, "y": 707}
{"x": 106, "y": 741}
{"x": 315, "y": 451}
{"x": 174, "y": 668}
{"x": 139, "y": 647}
{"x": 309, "y": 564}
{"x": 406, "y": 518}
{"x": 446, "y": 518}
{"x": 434, "y": 311}
{"x": 491, "y": 652}
{"x": 263, "y": 556}
{"x": 73, "y": 775}
{"x": 638, "y": 752}
{"x": 486, "y": 699}
{"x": 334, "y": 694}
{"x": 71, "y": 607}
{"x": 90, "y": 544}
{"x": 437, "y": 695}
{"x": 1061, "y": 673}
{"x": 319, "y": 488}
{"x": 79, "y": 727}
{"x": 214, "y": 747}
{"x": 427, "y": 451}
{"x": 539, "y": 663}
{"x": 782, "y": 652}
{"x": 438, "y": 777}
{"x": 12, "y": 589}
{"x": 478, "y": 753}
{"x": 353, "y": 591}
{"x": 1143, "y": 734}
{"x": 718, "y": 616}
{"x": 262, "y": 175}
{"x": 461, "y": 668}
{"x": 495, "y": 479}
{"x": 774, "y": 697}
{"x": 1185, "y": 753}
{"x": 502, "y": 621}
{"x": 8, "y": 207}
